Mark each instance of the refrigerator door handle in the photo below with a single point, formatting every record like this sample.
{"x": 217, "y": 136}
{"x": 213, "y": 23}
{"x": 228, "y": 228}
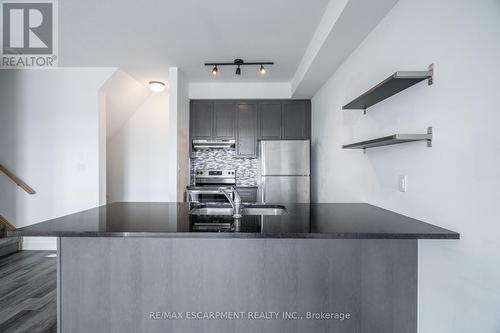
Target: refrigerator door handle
{"x": 263, "y": 189}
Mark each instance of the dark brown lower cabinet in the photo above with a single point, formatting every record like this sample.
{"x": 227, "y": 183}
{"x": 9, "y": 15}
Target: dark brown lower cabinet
{"x": 247, "y": 194}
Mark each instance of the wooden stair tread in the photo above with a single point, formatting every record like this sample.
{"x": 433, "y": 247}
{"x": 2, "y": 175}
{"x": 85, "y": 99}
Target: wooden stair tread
{"x": 8, "y": 240}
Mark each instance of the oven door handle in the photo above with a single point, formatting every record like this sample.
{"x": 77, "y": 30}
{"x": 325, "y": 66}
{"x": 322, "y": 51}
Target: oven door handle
{"x": 194, "y": 195}
{"x": 215, "y": 182}
{"x": 204, "y": 147}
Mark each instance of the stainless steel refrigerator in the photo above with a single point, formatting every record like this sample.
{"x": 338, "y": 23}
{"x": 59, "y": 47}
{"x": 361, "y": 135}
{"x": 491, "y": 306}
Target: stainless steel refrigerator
{"x": 284, "y": 173}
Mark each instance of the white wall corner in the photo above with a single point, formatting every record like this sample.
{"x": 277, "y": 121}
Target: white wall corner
{"x": 178, "y": 132}
{"x": 344, "y": 25}
{"x": 182, "y": 135}
{"x": 325, "y": 26}
{"x": 124, "y": 96}
{"x": 102, "y": 147}
{"x": 137, "y": 155}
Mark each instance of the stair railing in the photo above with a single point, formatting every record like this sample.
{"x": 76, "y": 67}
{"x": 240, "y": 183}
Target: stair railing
{"x": 10, "y": 226}
{"x": 17, "y": 180}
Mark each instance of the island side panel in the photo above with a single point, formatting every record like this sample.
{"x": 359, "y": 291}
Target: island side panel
{"x": 114, "y": 284}
{"x": 58, "y": 291}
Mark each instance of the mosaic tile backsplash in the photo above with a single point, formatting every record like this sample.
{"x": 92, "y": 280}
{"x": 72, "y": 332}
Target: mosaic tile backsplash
{"x": 246, "y": 168}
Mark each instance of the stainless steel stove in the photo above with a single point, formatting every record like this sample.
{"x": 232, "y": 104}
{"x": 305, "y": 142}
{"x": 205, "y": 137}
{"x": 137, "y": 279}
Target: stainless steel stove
{"x": 215, "y": 178}
{"x": 211, "y": 180}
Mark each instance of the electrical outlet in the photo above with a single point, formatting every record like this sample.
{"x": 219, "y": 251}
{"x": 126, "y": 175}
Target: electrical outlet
{"x": 403, "y": 183}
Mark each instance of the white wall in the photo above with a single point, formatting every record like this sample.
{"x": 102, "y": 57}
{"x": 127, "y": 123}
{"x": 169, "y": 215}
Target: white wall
{"x": 182, "y": 135}
{"x": 231, "y": 90}
{"x": 102, "y": 147}
{"x": 137, "y": 155}
{"x": 49, "y": 137}
{"x": 455, "y": 183}
{"x": 178, "y": 133}
{"x": 124, "y": 95}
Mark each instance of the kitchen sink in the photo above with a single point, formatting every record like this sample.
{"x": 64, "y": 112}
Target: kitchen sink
{"x": 245, "y": 210}
{"x": 211, "y": 211}
{"x": 277, "y": 210}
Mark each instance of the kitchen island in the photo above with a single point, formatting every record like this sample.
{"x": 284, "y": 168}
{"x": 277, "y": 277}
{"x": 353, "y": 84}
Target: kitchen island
{"x": 154, "y": 267}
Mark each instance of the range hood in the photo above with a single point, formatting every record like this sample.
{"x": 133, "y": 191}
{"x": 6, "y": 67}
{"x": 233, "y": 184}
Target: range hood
{"x": 213, "y": 144}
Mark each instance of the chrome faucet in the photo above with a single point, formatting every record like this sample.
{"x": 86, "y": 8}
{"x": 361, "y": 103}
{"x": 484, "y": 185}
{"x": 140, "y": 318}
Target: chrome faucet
{"x": 235, "y": 202}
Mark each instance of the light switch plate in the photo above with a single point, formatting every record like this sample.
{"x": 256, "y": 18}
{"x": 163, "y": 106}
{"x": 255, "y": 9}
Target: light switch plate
{"x": 403, "y": 183}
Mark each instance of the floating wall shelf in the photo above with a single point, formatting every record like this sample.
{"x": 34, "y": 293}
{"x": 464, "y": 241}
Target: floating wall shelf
{"x": 395, "y": 83}
{"x": 392, "y": 140}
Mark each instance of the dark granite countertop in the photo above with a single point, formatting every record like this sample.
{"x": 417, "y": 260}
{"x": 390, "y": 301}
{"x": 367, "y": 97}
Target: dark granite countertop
{"x": 319, "y": 220}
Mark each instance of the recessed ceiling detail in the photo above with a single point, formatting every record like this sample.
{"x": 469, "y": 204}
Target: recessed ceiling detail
{"x": 144, "y": 38}
{"x": 306, "y": 49}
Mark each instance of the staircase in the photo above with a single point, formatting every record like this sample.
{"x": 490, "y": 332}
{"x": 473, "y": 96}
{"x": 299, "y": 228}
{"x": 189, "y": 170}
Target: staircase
{"x": 8, "y": 245}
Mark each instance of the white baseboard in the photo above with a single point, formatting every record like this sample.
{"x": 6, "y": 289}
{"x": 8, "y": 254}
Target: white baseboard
{"x": 39, "y": 243}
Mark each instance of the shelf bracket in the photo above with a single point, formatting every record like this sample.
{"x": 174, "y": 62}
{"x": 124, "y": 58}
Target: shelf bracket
{"x": 430, "y": 79}
{"x": 429, "y": 141}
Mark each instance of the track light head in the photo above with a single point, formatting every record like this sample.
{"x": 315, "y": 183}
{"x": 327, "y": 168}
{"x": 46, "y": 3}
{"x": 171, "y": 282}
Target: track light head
{"x": 262, "y": 70}
{"x": 215, "y": 70}
{"x": 238, "y": 70}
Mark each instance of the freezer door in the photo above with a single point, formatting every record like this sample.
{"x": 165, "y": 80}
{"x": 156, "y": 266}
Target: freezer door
{"x": 285, "y": 158}
{"x": 281, "y": 189}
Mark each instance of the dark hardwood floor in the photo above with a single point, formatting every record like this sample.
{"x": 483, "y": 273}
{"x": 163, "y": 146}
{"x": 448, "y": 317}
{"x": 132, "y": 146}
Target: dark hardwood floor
{"x": 28, "y": 292}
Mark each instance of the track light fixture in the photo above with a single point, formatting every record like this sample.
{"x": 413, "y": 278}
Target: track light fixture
{"x": 239, "y": 63}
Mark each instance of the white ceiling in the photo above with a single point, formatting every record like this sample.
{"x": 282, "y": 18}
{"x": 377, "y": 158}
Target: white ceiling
{"x": 145, "y": 37}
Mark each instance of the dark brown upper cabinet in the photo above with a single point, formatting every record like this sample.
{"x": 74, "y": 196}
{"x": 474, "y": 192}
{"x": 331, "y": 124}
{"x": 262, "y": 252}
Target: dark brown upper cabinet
{"x": 202, "y": 120}
{"x": 212, "y": 120}
{"x": 246, "y": 118}
{"x": 270, "y": 120}
{"x": 224, "y": 120}
{"x": 285, "y": 120}
{"x": 249, "y": 121}
{"x": 296, "y": 122}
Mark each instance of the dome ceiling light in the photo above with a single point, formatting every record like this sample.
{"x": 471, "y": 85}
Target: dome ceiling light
{"x": 156, "y": 86}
